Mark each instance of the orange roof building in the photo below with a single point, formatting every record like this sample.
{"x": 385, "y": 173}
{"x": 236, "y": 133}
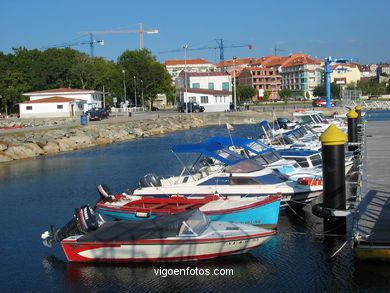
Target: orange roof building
{"x": 262, "y": 79}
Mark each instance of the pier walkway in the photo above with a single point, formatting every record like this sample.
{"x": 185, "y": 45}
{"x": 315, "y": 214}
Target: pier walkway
{"x": 372, "y": 229}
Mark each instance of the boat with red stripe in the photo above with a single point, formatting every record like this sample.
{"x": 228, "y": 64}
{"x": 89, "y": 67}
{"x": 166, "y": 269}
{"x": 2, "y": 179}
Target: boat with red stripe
{"x": 183, "y": 236}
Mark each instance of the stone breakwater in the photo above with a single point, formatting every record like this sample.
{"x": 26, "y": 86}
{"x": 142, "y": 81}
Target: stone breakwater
{"x": 34, "y": 143}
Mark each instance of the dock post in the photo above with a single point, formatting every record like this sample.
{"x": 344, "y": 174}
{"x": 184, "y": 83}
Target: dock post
{"x": 333, "y": 170}
{"x": 352, "y": 129}
{"x": 359, "y": 126}
{"x": 358, "y": 110}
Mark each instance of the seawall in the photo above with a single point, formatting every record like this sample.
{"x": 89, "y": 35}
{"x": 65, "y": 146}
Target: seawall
{"x": 49, "y": 136}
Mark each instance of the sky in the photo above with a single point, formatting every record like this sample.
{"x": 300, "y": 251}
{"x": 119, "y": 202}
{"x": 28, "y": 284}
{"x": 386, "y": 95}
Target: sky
{"x": 340, "y": 29}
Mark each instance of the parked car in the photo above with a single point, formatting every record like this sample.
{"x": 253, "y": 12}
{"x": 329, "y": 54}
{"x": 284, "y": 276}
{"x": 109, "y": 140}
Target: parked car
{"x": 97, "y": 114}
{"x": 322, "y": 103}
{"x": 191, "y": 107}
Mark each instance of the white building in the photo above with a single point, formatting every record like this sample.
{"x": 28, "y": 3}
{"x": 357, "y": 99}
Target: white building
{"x": 344, "y": 74}
{"x": 51, "y": 107}
{"x": 219, "y": 81}
{"x": 212, "y": 90}
{"x": 174, "y": 67}
{"x": 93, "y": 99}
{"x": 211, "y": 100}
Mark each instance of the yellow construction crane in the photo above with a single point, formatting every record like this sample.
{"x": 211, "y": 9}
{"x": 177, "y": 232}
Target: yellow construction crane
{"x": 141, "y": 31}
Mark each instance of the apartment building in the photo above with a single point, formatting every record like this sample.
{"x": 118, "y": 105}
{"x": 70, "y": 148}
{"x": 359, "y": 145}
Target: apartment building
{"x": 262, "y": 79}
{"x": 300, "y": 72}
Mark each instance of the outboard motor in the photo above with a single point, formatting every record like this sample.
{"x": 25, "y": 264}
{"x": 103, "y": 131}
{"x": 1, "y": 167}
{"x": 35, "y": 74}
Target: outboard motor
{"x": 83, "y": 221}
{"x": 149, "y": 180}
{"x": 105, "y": 192}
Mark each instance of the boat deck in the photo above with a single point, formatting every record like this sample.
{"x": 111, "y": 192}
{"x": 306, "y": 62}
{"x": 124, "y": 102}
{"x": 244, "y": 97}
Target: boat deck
{"x": 373, "y": 222}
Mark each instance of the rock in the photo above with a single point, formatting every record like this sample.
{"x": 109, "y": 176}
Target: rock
{"x": 20, "y": 152}
{"x": 35, "y": 148}
{"x": 66, "y": 144}
{"x": 55, "y": 134}
{"x": 3, "y": 145}
{"x": 103, "y": 140}
{"x": 138, "y": 132}
{"x": 5, "y": 157}
{"x": 81, "y": 138}
{"x": 51, "y": 148}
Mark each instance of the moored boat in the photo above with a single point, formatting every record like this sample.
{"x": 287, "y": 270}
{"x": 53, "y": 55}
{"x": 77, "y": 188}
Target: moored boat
{"x": 262, "y": 211}
{"x": 184, "y": 236}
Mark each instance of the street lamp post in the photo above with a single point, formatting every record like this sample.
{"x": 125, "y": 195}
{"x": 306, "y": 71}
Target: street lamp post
{"x": 234, "y": 84}
{"x": 135, "y": 93}
{"x": 185, "y": 46}
{"x": 124, "y": 85}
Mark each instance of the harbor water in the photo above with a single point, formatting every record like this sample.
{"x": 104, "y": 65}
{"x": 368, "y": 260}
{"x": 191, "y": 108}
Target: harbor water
{"x": 38, "y": 192}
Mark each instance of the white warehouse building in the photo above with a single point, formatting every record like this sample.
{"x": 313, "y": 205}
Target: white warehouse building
{"x": 61, "y": 102}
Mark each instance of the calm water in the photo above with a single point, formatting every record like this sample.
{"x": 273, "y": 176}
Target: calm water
{"x": 39, "y": 192}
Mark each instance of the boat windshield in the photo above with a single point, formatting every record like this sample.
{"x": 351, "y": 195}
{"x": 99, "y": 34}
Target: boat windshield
{"x": 256, "y": 146}
{"x": 316, "y": 160}
{"x": 228, "y": 155}
{"x": 304, "y": 119}
{"x": 302, "y": 161}
{"x": 274, "y": 178}
{"x": 194, "y": 225}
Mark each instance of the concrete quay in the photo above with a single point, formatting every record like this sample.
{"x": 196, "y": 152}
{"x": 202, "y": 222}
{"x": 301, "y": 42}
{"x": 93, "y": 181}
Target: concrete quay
{"x": 372, "y": 227}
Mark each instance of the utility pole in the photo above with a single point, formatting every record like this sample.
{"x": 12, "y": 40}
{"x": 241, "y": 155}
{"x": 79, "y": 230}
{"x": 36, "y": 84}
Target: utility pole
{"x": 185, "y": 46}
{"x": 124, "y": 85}
{"x": 135, "y": 92}
{"x": 234, "y": 83}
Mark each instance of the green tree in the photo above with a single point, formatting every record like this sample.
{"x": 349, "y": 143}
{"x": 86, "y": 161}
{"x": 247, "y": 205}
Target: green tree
{"x": 307, "y": 96}
{"x": 284, "y": 94}
{"x": 266, "y": 96}
{"x": 320, "y": 90}
{"x": 245, "y": 93}
{"x": 145, "y": 75}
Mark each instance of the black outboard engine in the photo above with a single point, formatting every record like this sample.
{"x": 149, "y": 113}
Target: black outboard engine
{"x": 83, "y": 221}
{"x": 149, "y": 180}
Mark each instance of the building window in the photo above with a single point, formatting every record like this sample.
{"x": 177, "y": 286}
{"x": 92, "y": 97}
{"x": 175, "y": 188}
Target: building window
{"x": 28, "y": 107}
{"x": 211, "y": 85}
{"x": 196, "y": 85}
{"x": 204, "y": 99}
{"x": 60, "y": 106}
{"x": 225, "y": 86}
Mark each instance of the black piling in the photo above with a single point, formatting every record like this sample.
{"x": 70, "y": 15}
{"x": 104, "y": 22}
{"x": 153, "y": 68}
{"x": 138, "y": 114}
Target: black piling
{"x": 352, "y": 130}
{"x": 358, "y": 110}
{"x": 333, "y": 169}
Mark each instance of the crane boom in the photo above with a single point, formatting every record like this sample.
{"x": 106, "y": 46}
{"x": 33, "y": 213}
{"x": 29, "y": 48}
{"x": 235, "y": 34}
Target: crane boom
{"x": 220, "y": 46}
{"x": 91, "y": 43}
{"x": 141, "y": 31}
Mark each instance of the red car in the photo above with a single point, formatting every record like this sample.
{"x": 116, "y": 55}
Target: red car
{"x": 322, "y": 103}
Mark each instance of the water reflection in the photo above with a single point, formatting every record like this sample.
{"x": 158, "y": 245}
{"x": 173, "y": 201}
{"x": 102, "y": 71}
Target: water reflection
{"x": 243, "y": 270}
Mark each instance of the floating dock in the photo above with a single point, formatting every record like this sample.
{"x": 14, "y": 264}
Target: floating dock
{"x": 372, "y": 225}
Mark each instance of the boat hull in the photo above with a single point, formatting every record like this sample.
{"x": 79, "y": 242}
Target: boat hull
{"x": 262, "y": 213}
{"x": 164, "y": 250}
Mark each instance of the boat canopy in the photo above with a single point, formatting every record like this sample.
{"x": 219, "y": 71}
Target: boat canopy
{"x": 132, "y": 230}
{"x": 211, "y": 149}
{"x": 253, "y": 145}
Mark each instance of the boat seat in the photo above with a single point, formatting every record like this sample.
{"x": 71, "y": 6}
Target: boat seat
{"x": 157, "y": 206}
{"x": 186, "y": 206}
